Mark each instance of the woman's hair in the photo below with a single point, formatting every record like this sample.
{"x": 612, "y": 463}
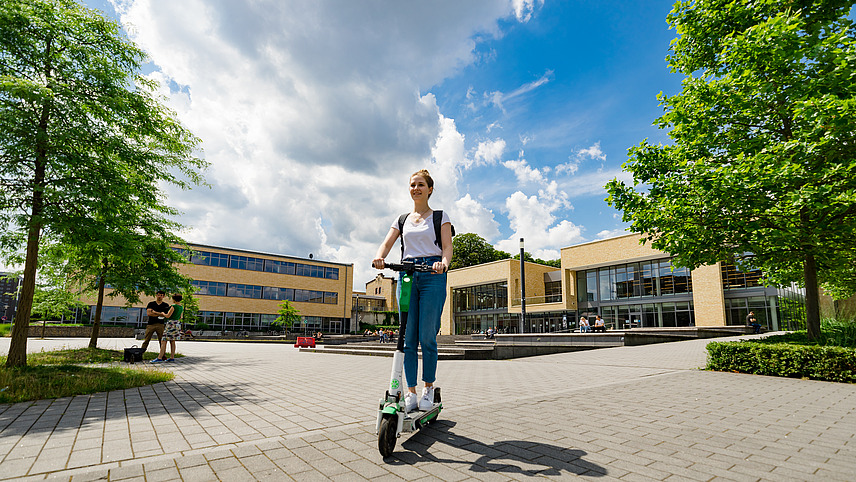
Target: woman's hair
{"x": 176, "y": 298}
{"x": 425, "y": 175}
{"x": 428, "y": 180}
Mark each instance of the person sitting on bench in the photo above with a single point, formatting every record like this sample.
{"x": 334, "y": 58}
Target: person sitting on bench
{"x": 598, "y": 324}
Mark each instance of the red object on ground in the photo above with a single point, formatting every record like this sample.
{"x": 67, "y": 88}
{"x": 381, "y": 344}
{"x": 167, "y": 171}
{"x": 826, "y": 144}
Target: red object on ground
{"x": 305, "y": 341}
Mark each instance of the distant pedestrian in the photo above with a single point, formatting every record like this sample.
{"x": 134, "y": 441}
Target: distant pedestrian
{"x": 598, "y": 324}
{"x": 157, "y": 311}
{"x": 584, "y": 325}
{"x": 173, "y": 328}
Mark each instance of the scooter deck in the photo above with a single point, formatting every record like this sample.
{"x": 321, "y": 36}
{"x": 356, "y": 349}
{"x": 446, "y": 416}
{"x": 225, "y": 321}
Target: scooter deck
{"x": 416, "y": 419}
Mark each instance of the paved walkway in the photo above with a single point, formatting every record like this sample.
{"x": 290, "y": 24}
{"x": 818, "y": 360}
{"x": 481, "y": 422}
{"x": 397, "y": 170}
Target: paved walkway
{"x": 241, "y": 411}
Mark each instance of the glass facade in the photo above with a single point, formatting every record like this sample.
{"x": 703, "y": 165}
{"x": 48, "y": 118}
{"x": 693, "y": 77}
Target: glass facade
{"x": 476, "y": 308}
{"x": 237, "y": 290}
{"x": 632, "y": 295}
{"x": 774, "y": 308}
{"x": 207, "y": 258}
{"x": 633, "y": 280}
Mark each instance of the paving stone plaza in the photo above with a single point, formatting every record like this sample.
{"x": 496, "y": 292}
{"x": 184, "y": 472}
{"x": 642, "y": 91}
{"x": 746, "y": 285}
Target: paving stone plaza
{"x": 253, "y": 411}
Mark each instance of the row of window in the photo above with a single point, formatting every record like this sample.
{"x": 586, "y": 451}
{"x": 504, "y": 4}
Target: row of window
{"x": 734, "y": 278}
{"x": 207, "y": 258}
{"x": 237, "y": 290}
{"x": 633, "y": 280}
{"x": 219, "y": 320}
{"x": 491, "y": 296}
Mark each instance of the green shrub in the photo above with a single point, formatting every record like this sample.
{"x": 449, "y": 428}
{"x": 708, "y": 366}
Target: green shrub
{"x": 830, "y": 363}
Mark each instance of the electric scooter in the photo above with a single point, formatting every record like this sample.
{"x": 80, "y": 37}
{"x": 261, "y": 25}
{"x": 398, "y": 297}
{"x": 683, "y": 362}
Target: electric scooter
{"x": 392, "y": 419}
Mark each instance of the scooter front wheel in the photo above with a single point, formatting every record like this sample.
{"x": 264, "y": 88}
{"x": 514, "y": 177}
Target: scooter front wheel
{"x": 386, "y": 435}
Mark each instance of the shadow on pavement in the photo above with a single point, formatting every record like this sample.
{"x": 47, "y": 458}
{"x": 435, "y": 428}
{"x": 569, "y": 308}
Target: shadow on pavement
{"x": 174, "y": 398}
{"x": 522, "y": 457}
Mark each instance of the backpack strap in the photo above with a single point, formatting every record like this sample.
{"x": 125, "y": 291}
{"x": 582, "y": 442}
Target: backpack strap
{"x": 401, "y": 220}
{"x": 438, "y": 218}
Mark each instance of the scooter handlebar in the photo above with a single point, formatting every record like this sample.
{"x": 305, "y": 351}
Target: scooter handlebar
{"x": 409, "y": 266}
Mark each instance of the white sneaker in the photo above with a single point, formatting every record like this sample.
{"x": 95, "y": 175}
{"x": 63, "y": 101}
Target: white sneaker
{"x": 411, "y": 401}
{"x": 426, "y": 401}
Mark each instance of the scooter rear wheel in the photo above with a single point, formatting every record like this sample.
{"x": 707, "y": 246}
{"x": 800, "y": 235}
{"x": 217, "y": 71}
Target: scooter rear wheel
{"x": 386, "y": 435}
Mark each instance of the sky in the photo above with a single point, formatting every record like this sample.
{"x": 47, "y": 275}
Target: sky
{"x": 314, "y": 113}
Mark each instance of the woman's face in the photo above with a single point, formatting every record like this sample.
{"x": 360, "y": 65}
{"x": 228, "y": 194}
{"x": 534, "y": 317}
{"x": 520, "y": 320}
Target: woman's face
{"x": 419, "y": 188}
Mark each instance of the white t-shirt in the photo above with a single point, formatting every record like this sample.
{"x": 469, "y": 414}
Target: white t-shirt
{"x": 419, "y": 238}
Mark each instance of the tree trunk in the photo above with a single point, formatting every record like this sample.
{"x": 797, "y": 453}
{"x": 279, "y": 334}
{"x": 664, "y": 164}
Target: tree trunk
{"x": 812, "y": 298}
{"x": 96, "y": 324}
{"x": 21, "y": 328}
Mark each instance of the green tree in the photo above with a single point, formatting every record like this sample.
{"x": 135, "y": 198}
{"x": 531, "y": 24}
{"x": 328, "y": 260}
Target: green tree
{"x": 191, "y": 309}
{"x": 53, "y": 303}
{"x": 288, "y": 316}
{"x": 471, "y": 249}
{"x": 763, "y": 153}
{"x": 79, "y": 127}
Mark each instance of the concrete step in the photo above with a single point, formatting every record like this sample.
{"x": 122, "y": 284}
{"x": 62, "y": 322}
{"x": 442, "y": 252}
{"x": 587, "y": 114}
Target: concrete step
{"x": 444, "y": 352}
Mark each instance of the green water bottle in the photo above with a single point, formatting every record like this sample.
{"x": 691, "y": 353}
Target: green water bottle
{"x": 404, "y": 294}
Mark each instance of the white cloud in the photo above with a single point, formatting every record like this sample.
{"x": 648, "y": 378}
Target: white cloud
{"x": 498, "y": 98}
{"x": 489, "y": 152}
{"x": 572, "y": 166}
{"x": 611, "y": 233}
{"x": 532, "y": 218}
{"x": 523, "y": 9}
{"x": 525, "y": 173}
{"x": 470, "y": 216}
{"x": 314, "y": 113}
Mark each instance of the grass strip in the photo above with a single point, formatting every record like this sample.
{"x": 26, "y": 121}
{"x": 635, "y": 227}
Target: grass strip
{"x": 64, "y": 373}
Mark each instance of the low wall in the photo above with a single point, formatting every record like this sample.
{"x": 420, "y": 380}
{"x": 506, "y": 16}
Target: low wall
{"x": 79, "y": 331}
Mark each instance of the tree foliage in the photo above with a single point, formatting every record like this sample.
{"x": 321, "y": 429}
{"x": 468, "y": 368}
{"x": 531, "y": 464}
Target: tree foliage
{"x": 471, "y": 249}
{"x": 763, "y": 153}
{"x": 82, "y": 137}
{"x": 288, "y": 316}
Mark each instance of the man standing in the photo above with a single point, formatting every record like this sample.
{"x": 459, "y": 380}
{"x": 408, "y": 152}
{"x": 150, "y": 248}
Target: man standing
{"x": 157, "y": 311}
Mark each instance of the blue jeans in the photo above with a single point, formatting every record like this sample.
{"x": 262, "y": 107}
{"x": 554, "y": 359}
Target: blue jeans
{"x": 427, "y": 296}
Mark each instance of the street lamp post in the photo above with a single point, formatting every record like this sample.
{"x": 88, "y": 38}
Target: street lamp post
{"x": 522, "y": 290}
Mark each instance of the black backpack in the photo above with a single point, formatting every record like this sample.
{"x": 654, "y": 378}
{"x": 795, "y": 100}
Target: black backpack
{"x": 438, "y": 219}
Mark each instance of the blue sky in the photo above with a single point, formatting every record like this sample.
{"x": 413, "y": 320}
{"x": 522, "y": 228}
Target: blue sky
{"x": 314, "y": 113}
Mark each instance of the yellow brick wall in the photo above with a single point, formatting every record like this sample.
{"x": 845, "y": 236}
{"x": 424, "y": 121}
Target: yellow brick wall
{"x": 622, "y": 249}
{"x": 708, "y": 297}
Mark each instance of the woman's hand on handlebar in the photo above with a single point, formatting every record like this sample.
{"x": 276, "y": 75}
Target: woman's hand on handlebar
{"x": 378, "y": 263}
{"x": 439, "y": 267}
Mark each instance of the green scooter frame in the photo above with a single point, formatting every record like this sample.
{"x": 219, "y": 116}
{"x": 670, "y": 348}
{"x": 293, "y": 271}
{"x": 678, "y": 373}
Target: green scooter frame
{"x": 392, "y": 420}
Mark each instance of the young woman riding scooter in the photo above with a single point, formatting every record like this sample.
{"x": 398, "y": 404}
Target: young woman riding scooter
{"x": 428, "y": 291}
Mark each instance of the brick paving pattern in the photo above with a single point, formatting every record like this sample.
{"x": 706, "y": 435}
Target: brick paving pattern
{"x": 243, "y": 411}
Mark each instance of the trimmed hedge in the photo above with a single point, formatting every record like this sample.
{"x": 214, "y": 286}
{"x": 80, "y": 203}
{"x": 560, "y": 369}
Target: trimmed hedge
{"x": 829, "y": 363}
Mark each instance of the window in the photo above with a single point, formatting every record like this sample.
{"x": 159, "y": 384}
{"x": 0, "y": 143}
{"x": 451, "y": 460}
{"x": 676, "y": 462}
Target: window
{"x": 214, "y": 319}
{"x": 244, "y": 262}
{"x": 281, "y": 267}
{"x": 244, "y": 291}
{"x": 270, "y": 293}
{"x": 210, "y": 288}
{"x": 553, "y": 292}
{"x": 331, "y": 273}
{"x": 206, "y": 258}
{"x": 331, "y": 298}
